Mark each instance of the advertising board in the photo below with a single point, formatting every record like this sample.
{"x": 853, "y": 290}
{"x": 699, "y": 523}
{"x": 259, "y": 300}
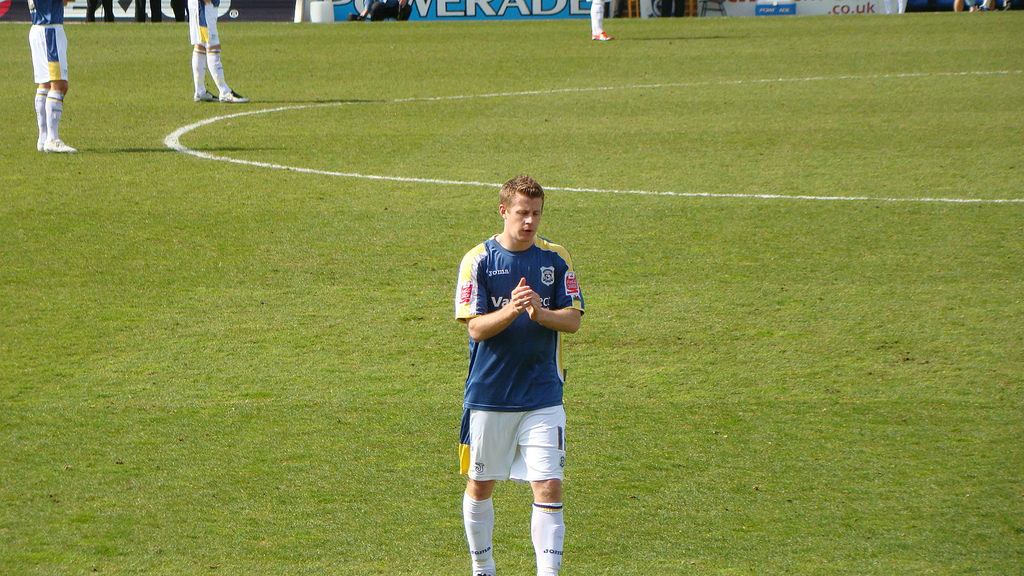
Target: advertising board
{"x": 242, "y": 10}
{"x": 284, "y": 10}
{"x": 479, "y": 9}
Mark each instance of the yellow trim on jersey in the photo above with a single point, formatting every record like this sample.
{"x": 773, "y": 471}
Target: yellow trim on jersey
{"x": 552, "y": 247}
{"x": 467, "y": 282}
{"x": 577, "y": 303}
{"x": 558, "y": 355}
{"x": 543, "y": 244}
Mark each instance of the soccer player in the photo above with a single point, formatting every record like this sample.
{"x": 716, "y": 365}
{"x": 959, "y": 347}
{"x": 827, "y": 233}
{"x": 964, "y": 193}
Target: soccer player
{"x": 517, "y": 293}
{"x": 202, "y": 27}
{"x": 50, "y": 66}
{"x": 597, "y": 22}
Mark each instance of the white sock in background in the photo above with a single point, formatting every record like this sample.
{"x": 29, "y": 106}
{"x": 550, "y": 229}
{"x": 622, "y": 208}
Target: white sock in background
{"x": 198, "y": 70}
{"x": 41, "y": 113}
{"x": 54, "y": 110}
{"x": 217, "y": 71}
{"x": 596, "y": 17}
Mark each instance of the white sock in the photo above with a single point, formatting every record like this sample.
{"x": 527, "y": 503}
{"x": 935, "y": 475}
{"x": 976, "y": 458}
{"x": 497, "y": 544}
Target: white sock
{"x": 596, "y": 17}
{"x": 478, "y": 515}
{"x": 198, "y": 70}
{"x": 548, "y": 529}
{"x": 41, "y": 112}
{"x": 217, "y": 70}
{"x": 54, "y": 110}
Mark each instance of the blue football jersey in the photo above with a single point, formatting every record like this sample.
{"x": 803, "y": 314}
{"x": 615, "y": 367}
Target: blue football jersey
{"x": 46, "y": 12}
{"x": 520, "y": 368}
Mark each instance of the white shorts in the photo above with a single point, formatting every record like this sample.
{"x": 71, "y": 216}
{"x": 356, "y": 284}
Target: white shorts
{"x": 49, "y": 53}
{"x": 522, "y": 446}
{"x": 202, "y": 23}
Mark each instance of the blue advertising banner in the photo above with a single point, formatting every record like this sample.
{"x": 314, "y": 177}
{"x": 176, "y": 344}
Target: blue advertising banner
{"x": 776, "y": 8}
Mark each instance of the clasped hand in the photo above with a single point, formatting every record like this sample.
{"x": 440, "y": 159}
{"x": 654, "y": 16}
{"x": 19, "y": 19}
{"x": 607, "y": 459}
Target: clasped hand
{"x": 524, "y": 299}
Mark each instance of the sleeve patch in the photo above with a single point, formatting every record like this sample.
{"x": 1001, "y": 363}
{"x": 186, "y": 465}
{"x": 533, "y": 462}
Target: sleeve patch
{"x": 465, "y": 293}
{"x": 572, "y": 286}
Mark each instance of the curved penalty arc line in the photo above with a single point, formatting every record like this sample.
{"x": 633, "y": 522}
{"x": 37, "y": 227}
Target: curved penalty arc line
{"x": 173, "y": 140}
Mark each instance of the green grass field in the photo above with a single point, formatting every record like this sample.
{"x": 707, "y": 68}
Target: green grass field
{"x": 210, "y": 367}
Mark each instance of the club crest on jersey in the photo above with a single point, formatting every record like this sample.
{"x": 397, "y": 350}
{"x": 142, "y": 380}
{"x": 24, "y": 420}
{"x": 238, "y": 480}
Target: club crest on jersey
{"x": 547, "y": 275}
{"x": 572, "y": 286}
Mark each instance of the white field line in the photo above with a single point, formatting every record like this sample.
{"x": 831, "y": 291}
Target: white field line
{"x": 173, "y": 140}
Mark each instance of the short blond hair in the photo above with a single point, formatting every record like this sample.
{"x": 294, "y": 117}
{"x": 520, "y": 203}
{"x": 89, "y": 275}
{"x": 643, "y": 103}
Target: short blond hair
{"x": 521, "y": 184}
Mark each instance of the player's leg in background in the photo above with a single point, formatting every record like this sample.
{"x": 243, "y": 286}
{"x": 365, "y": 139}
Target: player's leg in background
{"x": 41, "y": 72}
{"x": 597, "y": 21}
{"x": 41, "y": 91}
{"x": 199, "y": 36}
{"x": 155, "y": 10}
{"x": 199, "y": 72}
{"x": 213, "y": 61}
{"x": 56, "y": 61}
{"x": 178, "y": 7}
{"x": 55, "y": 109}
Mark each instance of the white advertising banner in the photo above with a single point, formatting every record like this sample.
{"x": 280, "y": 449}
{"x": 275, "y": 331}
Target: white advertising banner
{"x": 804, "y": 7}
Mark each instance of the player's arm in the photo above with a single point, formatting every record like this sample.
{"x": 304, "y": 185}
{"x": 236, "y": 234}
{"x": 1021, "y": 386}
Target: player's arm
{"x": 491, "y": 324}
{"x": 483, "y": 327}
{"x": 563, "y": 320}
